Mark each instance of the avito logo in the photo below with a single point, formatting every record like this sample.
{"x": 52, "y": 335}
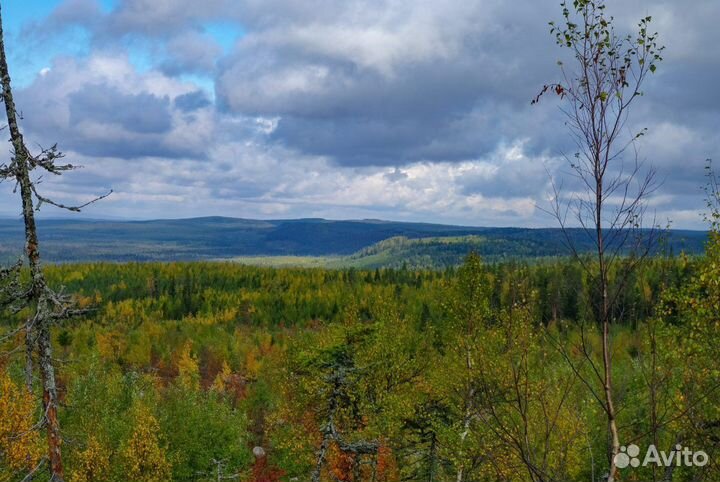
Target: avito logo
{"x": 681, "y": 456}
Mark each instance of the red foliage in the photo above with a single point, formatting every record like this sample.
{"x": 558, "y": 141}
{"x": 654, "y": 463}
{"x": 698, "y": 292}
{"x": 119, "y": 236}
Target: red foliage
{"x": 210, "y": 366}
{"x": 263, "y": 472}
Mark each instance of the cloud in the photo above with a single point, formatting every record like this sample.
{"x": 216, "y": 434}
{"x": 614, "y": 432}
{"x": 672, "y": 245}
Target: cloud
{"x": 101, "y": 106}
{"x": 170, "y": 33}
{"x": 157, "y": 18}
{"x": 137, "y": 113}
{"x": 383, "y": 108}
{"x": 190, "y": 52}
{"x": 192, "y": 101}
{"x": 74, "y": 12}
{"x": 389, "y": 84}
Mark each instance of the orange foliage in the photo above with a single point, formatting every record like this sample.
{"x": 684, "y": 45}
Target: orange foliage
{"x": 387, "y": 468}
{"x": 341, "y": 464}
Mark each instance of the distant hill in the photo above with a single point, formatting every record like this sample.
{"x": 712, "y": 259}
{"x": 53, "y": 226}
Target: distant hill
{"x": 361, "y": 243}
{"x": 440, "y": 252}
{"x": 431, "y": 252}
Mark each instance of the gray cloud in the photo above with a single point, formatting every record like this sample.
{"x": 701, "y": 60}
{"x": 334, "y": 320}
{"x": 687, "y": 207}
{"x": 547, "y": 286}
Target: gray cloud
{"x": 383, "y": 89}
{"x": 74, "y": 12}
{"x": 190, "y": 52}
{"x": 156, "y": 18}
{"x": 192, "y": 101}
{"x": 138, "y": 113}
{"x": 403, "y": 82}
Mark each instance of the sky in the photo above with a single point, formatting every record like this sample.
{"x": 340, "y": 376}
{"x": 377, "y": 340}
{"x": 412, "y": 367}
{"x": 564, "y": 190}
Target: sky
{"x": 408, "y": 110}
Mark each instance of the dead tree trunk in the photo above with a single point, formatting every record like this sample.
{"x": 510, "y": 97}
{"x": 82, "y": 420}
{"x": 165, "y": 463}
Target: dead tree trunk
{"x": 39, "y": 324}
{"x": 337, "y": 380}
{"x": 48, "y": 306}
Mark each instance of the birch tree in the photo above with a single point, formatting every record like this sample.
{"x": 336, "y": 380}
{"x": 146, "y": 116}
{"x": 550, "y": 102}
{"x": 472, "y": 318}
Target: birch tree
{"x": 608, "y": 198}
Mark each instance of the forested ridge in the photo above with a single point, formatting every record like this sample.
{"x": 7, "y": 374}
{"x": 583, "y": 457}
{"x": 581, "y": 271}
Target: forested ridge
{"x": 349, "y": 242}
{"x": 179, "y": 369}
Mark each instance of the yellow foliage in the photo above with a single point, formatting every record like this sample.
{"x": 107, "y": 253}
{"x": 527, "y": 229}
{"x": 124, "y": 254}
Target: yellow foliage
{"x": 188, "y": 369}
{"x": 265, "y": 341}
{"x": 139, "y": 348}
{"x": 111, "y": 345}
{"x": 93, "y": 463}
{"x": 222, "y": 378}
{"x": 145, "y": 459}
{"x": 252, "y": 364}
{"x": 74, "y": 276}
{"x": 227, "y": 315}
{"x": 121, "y": 286}
{"x": 128, "y": 312}
{"x": 84, "y": 301}
{"x": 20, "y": 448}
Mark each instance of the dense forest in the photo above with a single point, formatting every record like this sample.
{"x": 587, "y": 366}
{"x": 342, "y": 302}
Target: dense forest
{"x": 179, "y": 370}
